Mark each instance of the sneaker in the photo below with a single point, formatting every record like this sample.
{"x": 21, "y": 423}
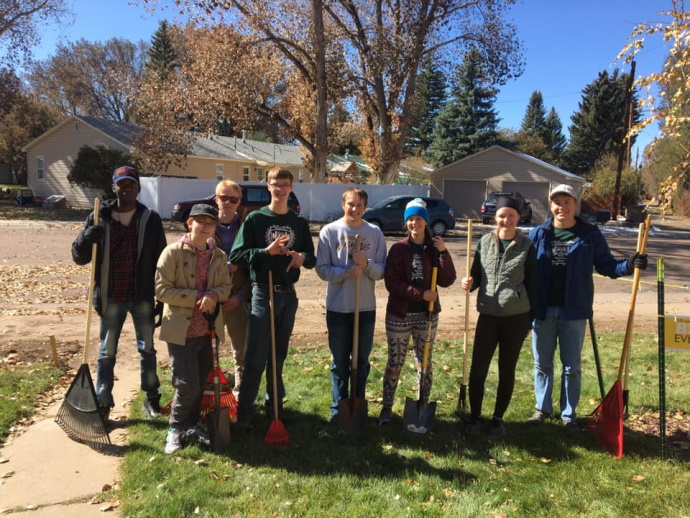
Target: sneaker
{"x": 152, "y": 407}
{"x": 472, "y": 428}
{"x": 385, "y": 416}
{"x": 572, "y": 427}
{"x": 174, "y": 441}
{"x": 196, "y": 434}
{"x": 538, "y": 417}
{"x": 496, "y": 428}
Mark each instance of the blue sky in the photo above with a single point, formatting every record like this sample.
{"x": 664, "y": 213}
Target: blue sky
{"x": 567, "y": 43}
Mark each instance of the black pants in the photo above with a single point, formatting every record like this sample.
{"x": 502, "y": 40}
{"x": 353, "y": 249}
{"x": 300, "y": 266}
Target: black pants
{"x": 508, "y": 333}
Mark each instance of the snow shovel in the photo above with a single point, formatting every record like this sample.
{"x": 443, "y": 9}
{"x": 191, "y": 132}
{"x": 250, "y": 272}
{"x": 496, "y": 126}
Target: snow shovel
{"x": 353, "y": 411}
{"x": 462, "y": 398}
{"x": 218, "y": 420}
{"x": 418, "y": 416}
{"x": 277, "y": 434}
{"x": 607, "y": 418}
{"x": 79, "y": 415}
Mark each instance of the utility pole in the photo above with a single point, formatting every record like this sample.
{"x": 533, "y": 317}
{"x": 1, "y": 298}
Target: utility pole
{"x": 623, "y": 154}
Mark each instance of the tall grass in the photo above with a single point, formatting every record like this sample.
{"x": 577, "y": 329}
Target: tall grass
{"x": 387, "y": 471}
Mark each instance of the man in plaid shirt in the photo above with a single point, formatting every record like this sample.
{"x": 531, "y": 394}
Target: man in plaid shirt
{"x": 129, "y": 239}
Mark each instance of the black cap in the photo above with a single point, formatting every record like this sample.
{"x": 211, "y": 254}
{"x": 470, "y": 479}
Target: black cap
{"x": 508, "y": 201}
{"x": 201, "y": 209}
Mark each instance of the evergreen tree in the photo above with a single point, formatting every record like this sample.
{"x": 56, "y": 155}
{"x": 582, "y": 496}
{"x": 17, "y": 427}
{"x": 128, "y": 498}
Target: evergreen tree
{"x": 431, "y": 96}
{"x": 597, "y": 126}
{"x": 162, "y": 55}
{"x": 468, "y": 122}
{"x": 553, "y": 136}
{"x": 94, "y": 167}
{"x": 534, "y": 120}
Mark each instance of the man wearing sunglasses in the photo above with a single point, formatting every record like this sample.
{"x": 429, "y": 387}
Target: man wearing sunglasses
{"x": 236, "y": 309}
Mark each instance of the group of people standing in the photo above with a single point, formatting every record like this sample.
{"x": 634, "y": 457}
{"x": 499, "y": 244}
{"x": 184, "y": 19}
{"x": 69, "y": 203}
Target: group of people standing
{"x": 228, "y": 268}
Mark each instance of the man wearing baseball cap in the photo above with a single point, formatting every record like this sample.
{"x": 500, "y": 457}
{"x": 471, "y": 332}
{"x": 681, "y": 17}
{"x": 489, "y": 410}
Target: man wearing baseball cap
{"x": 568, "y": 249}
{"x": 129, "y": 238}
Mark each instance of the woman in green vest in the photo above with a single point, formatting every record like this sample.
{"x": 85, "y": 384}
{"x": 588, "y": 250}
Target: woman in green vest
{"x": 505, "y": 272}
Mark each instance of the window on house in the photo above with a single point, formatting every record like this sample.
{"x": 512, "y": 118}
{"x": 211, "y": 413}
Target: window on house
{"x": 219, "y": 172}
{"x": 260, "y": 174}
{"x": 245, "y": 174}
{"x": 76, "y": 127}
{"x": 41, "y": 168}
{"x": 300, "y": 176}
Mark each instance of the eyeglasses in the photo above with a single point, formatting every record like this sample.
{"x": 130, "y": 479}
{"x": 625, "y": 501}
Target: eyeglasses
{"x": 231, "y": 199}
{"x": 280, "y": 185}
{"x": 206, "y": 222}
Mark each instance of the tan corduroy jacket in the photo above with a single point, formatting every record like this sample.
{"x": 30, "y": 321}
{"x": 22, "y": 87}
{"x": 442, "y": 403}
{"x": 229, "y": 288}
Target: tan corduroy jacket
{"x": 176, "y": 287}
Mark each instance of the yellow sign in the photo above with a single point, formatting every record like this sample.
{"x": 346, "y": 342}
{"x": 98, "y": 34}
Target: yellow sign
{"x": 677, "y": 332}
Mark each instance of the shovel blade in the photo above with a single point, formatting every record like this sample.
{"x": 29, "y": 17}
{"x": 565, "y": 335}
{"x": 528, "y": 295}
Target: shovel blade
{"x": 218, "y": 423}
{"x": 352, "y": 414}
{"x": 418, "y": 416}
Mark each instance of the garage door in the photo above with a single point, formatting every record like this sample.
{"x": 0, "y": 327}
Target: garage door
{"x": 465, "y": 197}
{"x": 537, "y": 193}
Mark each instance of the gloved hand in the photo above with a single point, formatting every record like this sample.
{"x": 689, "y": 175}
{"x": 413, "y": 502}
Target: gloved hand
{"x": 93, "y": 234}
{"x": 637, "y": 261}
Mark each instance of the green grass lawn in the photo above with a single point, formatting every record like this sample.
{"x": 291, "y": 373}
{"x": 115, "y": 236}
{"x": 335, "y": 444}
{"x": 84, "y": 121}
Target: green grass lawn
{"x": 387, "y": 471}
{"x": 18, "y": 388}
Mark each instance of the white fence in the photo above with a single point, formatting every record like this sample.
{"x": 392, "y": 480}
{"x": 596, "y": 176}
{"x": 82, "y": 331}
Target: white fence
{"x": 318, "y": 201}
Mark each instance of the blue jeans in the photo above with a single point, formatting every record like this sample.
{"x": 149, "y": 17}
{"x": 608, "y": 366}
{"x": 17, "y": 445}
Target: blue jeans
{"x": 258, "y": 355}
{"x": 340, "y": 338}
{"x": 569, "y": 335}
{"x": 112, "y": 321}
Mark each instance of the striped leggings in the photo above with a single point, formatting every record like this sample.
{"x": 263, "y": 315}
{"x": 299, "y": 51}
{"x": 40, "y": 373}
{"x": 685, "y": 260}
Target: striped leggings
{"x": 398, "y": 332}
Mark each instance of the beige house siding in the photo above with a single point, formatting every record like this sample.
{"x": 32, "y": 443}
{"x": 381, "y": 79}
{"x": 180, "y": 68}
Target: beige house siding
{"x": 496, "y": 167}
{"x": 205, "y": 169}
{"x": 59, "y": 147}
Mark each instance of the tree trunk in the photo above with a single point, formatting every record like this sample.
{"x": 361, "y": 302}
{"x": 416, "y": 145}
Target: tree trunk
{"x": 321, "y": 136}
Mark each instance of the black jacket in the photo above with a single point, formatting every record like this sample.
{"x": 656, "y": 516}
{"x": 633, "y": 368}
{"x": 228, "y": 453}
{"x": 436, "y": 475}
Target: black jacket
{"x": 150, "y": 243}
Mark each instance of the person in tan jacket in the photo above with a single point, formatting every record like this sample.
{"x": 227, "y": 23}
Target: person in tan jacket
{"x": 192, "y": 278}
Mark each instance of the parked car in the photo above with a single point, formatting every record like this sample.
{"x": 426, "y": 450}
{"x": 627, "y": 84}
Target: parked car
{"x": 387, "y": 214}
{"x": 254, "y": 196}
{"x": 489, "y": 207}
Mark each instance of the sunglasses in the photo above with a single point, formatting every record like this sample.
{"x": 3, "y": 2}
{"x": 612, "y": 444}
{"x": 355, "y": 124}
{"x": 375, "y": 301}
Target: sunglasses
{"x": 231, "y": 199}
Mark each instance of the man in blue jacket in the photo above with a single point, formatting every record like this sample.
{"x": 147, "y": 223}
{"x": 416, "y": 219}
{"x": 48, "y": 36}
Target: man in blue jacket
{"x": 567, "y": 251}
{"x": 129, "y": 238}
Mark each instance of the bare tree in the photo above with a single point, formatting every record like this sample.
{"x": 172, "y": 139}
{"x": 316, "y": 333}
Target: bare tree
{"x": 96, "y": 79}
{"x": 20, "y": 21}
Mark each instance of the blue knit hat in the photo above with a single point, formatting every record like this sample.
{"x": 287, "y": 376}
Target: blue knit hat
{"x": 417, "y": 207}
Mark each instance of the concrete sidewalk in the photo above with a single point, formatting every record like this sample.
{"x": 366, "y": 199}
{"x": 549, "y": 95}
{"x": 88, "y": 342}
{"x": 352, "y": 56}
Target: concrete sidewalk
{"x": 47, "y": 474}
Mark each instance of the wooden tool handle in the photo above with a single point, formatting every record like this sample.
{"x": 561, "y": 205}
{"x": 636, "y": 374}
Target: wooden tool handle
{"x": 92, "y": 279}
{"x": 643, "y": 234}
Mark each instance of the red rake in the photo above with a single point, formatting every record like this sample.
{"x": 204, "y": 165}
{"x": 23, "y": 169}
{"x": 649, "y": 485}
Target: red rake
{"x": 227, "y": 398}
{"x": 277, "y": 434}
{"x": 607, "y": 418}
{"x": 208, "y": 400}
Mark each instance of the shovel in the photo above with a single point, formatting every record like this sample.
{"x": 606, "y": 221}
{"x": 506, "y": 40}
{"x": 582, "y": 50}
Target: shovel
{"x": 418, "y": 416}
{"x": 353, "y": 411}
{"x": 218, "y": 420}
{"x": 462, "y": 398}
